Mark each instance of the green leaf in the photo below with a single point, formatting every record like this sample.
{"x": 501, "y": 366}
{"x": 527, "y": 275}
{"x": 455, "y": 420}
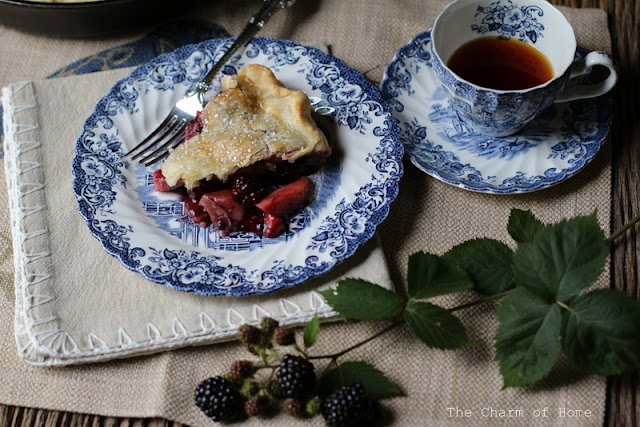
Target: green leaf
{"x": 310, "y": 332}
{"x": 362, "y": 300}
{"x": 600, "y": 332}
{"x": 430, "y": 275}
{"x": 373, "y": 380}
{"x": 528, "y": 338}
{"x": 523, "y": 226}
{"x": 435, "y": 326}
{"x": 562, "y": 259}
{"x": 487, "y": 262}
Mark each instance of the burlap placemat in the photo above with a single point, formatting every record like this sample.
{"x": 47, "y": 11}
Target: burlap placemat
{"x": 428, "y": 215}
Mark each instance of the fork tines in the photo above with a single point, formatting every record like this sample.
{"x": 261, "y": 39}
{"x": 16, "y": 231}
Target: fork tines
{"x": 168, "y": 135}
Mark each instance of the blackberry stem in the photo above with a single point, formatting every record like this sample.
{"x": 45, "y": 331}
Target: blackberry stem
{"x": 335, "y": 356}
{"x": 396, "y": 323}
{"x": 301, "y": 351}
{"x": 480, "y": 301}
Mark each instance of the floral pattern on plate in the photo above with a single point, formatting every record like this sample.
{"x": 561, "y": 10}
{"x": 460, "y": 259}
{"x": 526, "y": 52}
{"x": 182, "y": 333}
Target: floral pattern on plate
{"x": 146, "y": 230}
{"x": 553, "y": 147}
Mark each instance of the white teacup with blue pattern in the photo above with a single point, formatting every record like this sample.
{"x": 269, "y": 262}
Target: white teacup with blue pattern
{"x": 503, "y": 112}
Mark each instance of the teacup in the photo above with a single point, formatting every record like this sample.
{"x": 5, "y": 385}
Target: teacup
{"x": 502, "y": 112}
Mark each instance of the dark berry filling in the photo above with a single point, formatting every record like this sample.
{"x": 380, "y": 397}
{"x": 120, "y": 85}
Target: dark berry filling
{"x": 194, "y": 127}
{"x": 260, "y": 199}
{"x": 249, "y": 189}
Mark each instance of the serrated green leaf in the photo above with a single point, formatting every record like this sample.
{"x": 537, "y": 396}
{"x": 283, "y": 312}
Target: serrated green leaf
{"x": 435, "y": 326}
{"x": 562, "y": 259}
{"x": 523, "y": 225}
{"x": 362, "y": 300}
{"x": 376, "y": 384}
{"x": 487, "y": 262}
{"x": 600, "y": 332}
{"x": 310, "y": 332}
{"x": 528, "y": 338}
{"x": 430, "y": 275}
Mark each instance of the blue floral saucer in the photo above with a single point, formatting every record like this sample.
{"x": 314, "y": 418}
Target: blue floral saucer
{"x": 555, "y": 146}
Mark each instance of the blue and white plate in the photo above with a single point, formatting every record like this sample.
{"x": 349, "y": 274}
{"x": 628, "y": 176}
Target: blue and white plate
{"x": 146, "y": 230}
{"x": 553, "y": 147}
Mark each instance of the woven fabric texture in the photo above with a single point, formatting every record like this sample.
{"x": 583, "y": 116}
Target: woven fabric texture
{"x": 428, "y": 215}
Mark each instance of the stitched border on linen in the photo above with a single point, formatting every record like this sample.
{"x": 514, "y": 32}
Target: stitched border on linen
{"x": 39, "y": 337}
{"x": 26, "y": 205}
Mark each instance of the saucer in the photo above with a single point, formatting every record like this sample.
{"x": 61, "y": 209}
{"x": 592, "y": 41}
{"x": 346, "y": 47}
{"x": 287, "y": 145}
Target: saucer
{"x": 553, "y": 147}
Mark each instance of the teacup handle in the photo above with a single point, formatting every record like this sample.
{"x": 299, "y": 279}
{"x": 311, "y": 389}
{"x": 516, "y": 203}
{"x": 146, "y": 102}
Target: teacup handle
{"x": 579, "y": 68}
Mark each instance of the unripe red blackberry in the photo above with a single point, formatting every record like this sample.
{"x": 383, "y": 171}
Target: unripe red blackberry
{"x": 255, "y": 406}
{"x": 284, "y": 336}
{"x": 219, "y": 400}
{"x": 296, "y": 376}
{"x": 294, "y": 407}
{"x": 252, "y": 338}
{"x": 348, "y": 406}
{"x": 241, "y": 369}
{"x": 249, "y": 334}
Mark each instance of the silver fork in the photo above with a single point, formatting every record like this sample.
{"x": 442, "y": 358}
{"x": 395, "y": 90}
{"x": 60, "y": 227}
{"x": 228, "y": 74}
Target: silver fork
{"x": 170, "y": 133}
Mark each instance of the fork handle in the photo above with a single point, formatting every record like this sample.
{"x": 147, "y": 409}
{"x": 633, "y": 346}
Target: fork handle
{"x": 257, "y": 21}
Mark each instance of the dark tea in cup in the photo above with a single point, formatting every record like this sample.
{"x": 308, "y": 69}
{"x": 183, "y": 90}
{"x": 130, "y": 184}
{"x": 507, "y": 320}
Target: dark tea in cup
{"x": 515, "y": 59}
{"x": 501, "y": 64}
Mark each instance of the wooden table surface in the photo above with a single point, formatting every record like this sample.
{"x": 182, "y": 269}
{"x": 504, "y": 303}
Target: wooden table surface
{"x": 623, "y": 393}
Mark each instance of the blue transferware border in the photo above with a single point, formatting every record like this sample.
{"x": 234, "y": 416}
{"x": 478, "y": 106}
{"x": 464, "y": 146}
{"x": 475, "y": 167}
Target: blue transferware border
{"x": 338, "y": 236}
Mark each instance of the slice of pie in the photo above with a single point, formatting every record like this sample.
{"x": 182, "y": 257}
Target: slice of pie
{"x": 243, "y": 164}
{"x": 253, "y": 120}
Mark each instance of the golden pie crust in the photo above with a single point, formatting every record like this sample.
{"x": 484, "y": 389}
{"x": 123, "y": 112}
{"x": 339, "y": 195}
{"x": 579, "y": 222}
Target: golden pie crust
{"x": 253, "y": 119}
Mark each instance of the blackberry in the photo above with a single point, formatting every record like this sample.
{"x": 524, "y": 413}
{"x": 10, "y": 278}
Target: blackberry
{"x": 256, "y": 406}
{"x": 241, "y": 369}
{"x": 249, "y": 334}
{"x": 296, "y": 376}
{"x": 294, "y": 408}
{"x": 314, "y": 406}
{"x": 273, "y": 388}
{"x": 286, "y": 172}
{"x": 268, "y": 324}
{"x": 248, "y": 189}
{"x": 252, "y": 338}
{"x": 348, "y": 406}
{"x": 219, "y": 400}
{"x": 252, "y": 221}
{"x": 284, "y": 336}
